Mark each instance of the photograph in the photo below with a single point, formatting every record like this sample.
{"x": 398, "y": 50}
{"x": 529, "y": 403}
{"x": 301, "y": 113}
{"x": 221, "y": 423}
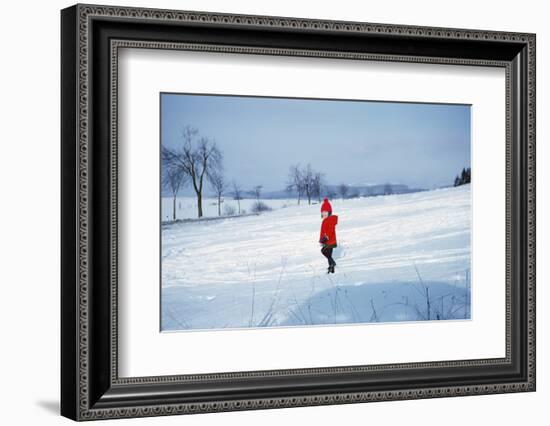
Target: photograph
{"x": 285, "y": 212}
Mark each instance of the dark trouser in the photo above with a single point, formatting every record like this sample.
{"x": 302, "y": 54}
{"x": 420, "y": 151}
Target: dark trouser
{"x": 327, "y": 252}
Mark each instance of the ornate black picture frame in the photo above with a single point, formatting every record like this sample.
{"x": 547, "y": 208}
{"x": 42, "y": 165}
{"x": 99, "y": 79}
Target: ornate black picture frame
{"x": 90, "y": 38}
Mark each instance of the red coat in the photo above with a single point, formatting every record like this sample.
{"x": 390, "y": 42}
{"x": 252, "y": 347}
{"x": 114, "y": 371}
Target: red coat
{"x": 328, "y": 228}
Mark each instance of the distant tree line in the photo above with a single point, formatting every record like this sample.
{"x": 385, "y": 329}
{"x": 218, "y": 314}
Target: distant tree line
{"x": 309, "y": 184}
{"x": 464, "y": 177}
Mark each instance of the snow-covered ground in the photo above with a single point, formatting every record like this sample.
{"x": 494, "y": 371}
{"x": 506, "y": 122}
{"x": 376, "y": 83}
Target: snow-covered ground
{"x": 399, "y": 258}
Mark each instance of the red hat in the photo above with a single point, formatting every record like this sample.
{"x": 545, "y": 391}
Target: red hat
{"x": 326, "y": 207}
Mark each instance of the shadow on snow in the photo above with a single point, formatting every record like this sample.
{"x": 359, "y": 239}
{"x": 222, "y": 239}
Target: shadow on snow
{"x": 185, "y": 308}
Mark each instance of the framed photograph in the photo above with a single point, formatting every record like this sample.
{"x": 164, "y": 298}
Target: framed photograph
{"x": 248, "y": 232}
{"x": 263, "y": 212}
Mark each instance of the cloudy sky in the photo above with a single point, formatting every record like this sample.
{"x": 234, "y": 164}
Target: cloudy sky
{"x": 353, "y": 142}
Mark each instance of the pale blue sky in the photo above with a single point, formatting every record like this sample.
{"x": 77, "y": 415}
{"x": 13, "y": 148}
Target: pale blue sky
{"x": 421, "y": 145}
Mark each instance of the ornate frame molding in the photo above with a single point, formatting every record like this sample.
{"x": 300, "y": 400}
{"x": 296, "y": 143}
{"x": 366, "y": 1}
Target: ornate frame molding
{"x": 85, "y": 14}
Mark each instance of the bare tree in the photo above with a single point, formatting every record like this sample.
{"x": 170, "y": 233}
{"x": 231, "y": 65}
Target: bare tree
{"x": 317, "y": 185}
{"x": 198, "y": 159}
{"x": 307, "y": 182}
{"x": 237, "y": 195}
{"x": 219, "y": 185}
{"x": 257, "y": 192}
{"x": 173, "y": 179}
{"x": 295, "y": 180}
{"x": 343, "y": 190}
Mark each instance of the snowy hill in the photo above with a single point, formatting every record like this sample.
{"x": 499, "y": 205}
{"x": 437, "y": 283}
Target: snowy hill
{"x": 399, "y": 257}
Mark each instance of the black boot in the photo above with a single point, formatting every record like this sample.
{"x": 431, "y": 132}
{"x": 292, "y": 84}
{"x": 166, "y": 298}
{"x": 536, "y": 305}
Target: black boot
{"x": 331, "y": 267}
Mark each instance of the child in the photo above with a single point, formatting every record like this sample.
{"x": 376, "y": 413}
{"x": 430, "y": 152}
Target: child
{"x": 328, "y": 234}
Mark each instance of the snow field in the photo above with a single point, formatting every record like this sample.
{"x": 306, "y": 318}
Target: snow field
{"x": 267, "y": 270}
